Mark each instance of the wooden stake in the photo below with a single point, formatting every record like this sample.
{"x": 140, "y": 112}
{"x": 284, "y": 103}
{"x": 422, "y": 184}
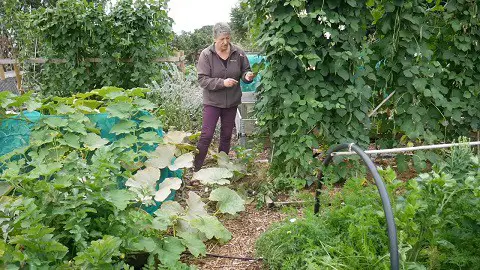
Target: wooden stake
{"x": 181, "y": 59}
{"x": 18, "y": 76}
{"x": 2, "y": 73}
{"x": 478, "y": 146}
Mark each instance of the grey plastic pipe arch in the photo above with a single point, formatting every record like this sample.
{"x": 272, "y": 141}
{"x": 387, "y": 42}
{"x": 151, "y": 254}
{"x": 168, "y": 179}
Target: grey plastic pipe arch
{"x": 387, "y": 208}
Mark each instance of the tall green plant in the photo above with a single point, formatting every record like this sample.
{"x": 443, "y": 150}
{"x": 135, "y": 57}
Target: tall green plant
{"x": 427, "y": 51}
{"x": 239, "y": 15}
{"x": 137, "y": 31}
{"x": 333, "y": 62}
{"x": 15, "y": 26}
{"x": 314, "y": 89}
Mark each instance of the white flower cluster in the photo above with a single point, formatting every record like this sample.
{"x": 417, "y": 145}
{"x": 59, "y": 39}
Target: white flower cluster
{"x": 303, "y": 13}
{"x": 323, "y": 19}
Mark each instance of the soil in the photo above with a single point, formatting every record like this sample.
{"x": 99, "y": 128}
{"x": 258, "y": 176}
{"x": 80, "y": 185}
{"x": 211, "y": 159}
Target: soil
{"x": 404, "y": 176}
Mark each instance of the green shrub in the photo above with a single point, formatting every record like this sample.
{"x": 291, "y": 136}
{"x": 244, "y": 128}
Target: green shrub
{"x": 79, "y": 30}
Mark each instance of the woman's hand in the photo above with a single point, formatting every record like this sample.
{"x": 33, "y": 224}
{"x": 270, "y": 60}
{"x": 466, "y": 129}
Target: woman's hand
{"x": 249, "y": 76}
{"x": 230, "y": 82}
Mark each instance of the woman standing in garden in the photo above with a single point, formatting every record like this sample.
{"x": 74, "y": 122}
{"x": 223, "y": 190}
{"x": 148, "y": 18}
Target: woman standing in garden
{"x": 220, "y": 67}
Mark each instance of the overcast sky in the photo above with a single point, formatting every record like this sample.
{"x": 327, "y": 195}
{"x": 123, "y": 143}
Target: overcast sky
{"x": 189, "y": 15}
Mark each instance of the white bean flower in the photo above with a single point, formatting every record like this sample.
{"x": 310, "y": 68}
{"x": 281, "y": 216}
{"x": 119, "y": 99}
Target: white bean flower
{"x": 303, "y": 13}
{"x": 322, "y": 19}
{"x": 341, "y": 27}
{"x": 327, "y": 35}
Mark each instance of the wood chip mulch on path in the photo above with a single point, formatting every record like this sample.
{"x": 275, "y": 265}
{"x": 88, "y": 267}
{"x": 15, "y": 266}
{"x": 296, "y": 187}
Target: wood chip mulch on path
{"x": 245, "y": 229}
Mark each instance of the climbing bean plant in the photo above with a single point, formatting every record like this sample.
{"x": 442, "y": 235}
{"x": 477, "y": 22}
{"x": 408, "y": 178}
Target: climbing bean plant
{"x": 427, "y": 51}
{"x": 314, "y": 90}
{"x": 137, "y": 31}
{"x": 332, "y": 62}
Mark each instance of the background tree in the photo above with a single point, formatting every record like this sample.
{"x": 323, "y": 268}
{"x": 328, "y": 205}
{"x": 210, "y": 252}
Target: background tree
{"x": 239, "y": 23}
{"x": 139, "y": 30}
{"x": 14, "y": 13}
{"x": 193, "y": 42}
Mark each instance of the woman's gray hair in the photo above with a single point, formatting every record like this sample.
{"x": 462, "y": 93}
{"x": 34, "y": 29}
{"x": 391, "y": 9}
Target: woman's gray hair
{"x": 221, "y": 28}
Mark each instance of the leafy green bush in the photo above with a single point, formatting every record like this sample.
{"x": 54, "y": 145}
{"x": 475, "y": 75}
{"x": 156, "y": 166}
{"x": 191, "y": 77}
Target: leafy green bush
{"x": 81, "y": 30}
{"x": 437, "y": 217}
{"x": 440, "y": 215}
{"x": 341, "y": 169}
{"x": 179, "y": 97}
{"x": 239, "y": 16}
{"x": 77, "y": 197}
{"x": 332, "y": 62}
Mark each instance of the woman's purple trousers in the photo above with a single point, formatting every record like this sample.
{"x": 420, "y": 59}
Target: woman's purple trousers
{"x": 210, "y": 119}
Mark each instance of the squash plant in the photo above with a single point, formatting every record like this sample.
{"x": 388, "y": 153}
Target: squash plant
{"x": 77, "y": 196}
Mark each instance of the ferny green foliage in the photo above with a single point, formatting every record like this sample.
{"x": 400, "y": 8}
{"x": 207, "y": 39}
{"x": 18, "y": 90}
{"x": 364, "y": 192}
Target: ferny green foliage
{"x": 436, "y": 215}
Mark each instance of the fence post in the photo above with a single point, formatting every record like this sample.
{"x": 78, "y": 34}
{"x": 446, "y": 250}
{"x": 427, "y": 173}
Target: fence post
{"x": 2, "y": 73}
{"x": 181, "y": 61}
{"x": 478, "y": 139}
{"x": 18, "y": 76}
